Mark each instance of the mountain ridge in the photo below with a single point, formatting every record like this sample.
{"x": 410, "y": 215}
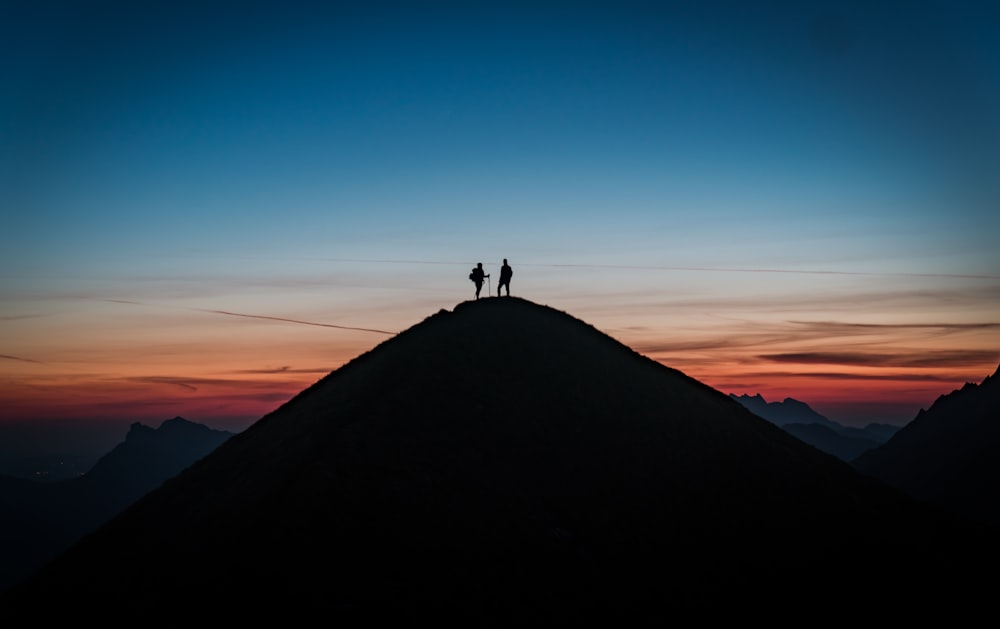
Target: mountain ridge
{"x": 799, "y": 419}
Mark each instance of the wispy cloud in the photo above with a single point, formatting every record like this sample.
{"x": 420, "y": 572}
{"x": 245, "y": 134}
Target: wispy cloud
{"x": 194, "y": 383}
{"x": 951, "y": 358}
{"x": 19, "y": 359}
{"x": 180, "y": 382}
{"x": 769, "y": 377}
{"x": 834, "y": 327}
{"x": 123, "y": 301}
{"x": 741, "y": 334}
{"x": 191, "y": 384}
{"x": 282, "y": 370}
{"x": 736, "y": 341}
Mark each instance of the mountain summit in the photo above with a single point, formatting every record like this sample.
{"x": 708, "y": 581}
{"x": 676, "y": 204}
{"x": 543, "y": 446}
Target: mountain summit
{"x": 503, "y": 463}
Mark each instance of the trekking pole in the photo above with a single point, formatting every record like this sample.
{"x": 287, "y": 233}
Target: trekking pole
{"x": 489, "y": 289}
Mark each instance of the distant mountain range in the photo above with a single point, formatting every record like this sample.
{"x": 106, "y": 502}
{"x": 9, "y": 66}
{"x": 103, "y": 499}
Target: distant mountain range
{"x": 42, "y": 519}
{"x": 946, "y": 456}
{"x": 799, "y": 419}
{"x": 503, "y": 464}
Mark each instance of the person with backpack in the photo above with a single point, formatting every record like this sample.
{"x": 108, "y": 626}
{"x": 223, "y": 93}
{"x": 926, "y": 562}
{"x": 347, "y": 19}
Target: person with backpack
{"x": 478, "y": 276}
{"x": 505, "y": 274}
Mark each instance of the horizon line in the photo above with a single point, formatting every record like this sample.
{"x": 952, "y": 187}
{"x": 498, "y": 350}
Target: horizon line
{"x": 653, "y": 267}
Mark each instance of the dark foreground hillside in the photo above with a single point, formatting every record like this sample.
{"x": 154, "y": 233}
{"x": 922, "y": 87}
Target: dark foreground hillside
{"x": 506, "y": 464}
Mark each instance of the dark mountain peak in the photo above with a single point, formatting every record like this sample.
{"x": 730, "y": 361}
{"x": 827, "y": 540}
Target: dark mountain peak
{"x": 792, "y": 402}
{"x": 493, "y": 462}
{"x": 971, "y": 393}
{"x": 178, "y": 421}
{"x": 138, "y": 431}
{"x": 180, "y": 428}
{"x": 788, "y": 411}
{"x": 749, "y": 398}
{"x": 156, "y": 452}
{"x": 172, "y": 430}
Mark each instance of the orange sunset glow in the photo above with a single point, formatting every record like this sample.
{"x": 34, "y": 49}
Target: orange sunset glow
{"x": 206, "y": 216}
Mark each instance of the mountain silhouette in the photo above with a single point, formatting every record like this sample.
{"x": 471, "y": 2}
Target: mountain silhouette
{"x": 799, "y": 419}
{"x": 788, "y": 411}
{"x": 947, "y": 455}
{"x": 506, "y": 463}
{"x": 42, "y": 519}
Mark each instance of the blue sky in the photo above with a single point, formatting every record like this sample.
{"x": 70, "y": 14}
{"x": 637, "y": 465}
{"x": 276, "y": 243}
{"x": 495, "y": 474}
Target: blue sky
{"x": 702, "y": 180}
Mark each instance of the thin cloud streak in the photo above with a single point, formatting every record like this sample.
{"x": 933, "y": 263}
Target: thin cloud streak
{"x": 634, "y": 267}
{"x": 179, "y": 382}
{"x": 322, "y": 325}
{"x": 281, "y": 370}
{"x": 764, "y": 376}
{"x": 19, "y": 359}
{"x": 852, "y": 327}
{"x": 958, "y": 358}
{"x": 190, "y": 383}
{"x": 792, "y": 308}
{"x": 770, "y": 271}
{"x": 255, "y": 316}
{"x": 743, "y": 341}
{"x": 751, "y": 334}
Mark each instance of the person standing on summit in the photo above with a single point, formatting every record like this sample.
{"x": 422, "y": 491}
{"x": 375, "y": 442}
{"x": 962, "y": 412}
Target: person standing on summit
{"x": 478, "y": 276}
{"x": 505, "y": 274}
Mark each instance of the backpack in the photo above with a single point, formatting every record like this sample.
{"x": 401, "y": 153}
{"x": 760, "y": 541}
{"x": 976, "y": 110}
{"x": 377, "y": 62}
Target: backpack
{"x": 472, "y": 276}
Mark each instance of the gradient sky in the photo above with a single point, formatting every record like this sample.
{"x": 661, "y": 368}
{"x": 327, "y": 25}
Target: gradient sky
{"x": 209, "y": 206}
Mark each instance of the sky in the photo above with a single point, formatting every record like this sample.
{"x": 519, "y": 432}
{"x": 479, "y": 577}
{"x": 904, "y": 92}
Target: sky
{"x": 208, "y": 206}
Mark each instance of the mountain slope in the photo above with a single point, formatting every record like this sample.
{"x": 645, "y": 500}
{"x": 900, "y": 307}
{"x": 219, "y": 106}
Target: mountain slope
{"x": 499, "y": 463}
{"x": 948, "y": 454}
{"x": 788, "y": 411}
{"x": 42, "y": 519}
{"x": 830, "y": 441}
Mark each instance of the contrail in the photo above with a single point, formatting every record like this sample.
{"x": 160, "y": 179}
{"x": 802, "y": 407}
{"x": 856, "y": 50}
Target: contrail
{"x": 322, "y": 325}
{"x": 252, "y": 316}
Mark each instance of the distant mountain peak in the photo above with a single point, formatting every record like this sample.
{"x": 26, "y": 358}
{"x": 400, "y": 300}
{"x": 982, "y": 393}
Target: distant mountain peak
{"x": 788, "y": 411}
{"x": 138, "y": 430}
{"x": 793, "y": 402}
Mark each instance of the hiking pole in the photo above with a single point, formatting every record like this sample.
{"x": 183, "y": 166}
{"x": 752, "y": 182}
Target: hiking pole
{"x": 489, "y": 289}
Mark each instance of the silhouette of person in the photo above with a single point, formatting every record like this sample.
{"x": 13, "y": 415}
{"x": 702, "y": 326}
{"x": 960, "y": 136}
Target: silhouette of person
{"x": 505, "y": 274}
{"x": 478, "y": 276}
